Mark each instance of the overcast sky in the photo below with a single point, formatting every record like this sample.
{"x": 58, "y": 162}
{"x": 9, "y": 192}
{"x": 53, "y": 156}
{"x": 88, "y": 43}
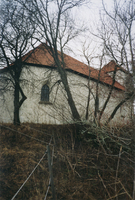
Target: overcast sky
{"x": 89, "y": 14}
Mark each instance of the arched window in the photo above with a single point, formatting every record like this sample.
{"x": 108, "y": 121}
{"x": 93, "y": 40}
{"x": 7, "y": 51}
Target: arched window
{"x": 45, "y": 93}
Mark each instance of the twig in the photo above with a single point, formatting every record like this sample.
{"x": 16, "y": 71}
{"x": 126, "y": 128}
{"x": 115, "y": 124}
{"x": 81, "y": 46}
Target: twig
{"x": 116, "y": 195}
{"x": 125, "y": 190}
{"x": 116, "y": 178}
{"x": 104, "y": 185}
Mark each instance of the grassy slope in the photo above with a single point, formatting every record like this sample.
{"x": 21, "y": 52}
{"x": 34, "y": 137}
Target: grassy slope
{"x": 97, "y": 169}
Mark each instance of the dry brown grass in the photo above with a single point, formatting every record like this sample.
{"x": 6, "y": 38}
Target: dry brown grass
{"x": 94, "y": 167}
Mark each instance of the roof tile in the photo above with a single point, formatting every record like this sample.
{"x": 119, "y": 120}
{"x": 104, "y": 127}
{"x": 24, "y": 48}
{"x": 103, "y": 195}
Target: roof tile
{"x": 41, "y": 56}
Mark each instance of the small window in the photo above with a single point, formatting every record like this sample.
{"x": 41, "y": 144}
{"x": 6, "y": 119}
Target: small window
{"x": 45, "y": 93}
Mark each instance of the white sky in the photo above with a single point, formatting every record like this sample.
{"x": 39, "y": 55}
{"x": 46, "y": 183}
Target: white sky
{"x": 90, "y": 15}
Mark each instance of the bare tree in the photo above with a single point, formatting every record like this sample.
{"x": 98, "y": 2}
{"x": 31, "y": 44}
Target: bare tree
{"x": 98, "y": 112}
{"x": 117, "y": 34}
{"x": 56, "y": 27}
{"x": 15, "y": 38}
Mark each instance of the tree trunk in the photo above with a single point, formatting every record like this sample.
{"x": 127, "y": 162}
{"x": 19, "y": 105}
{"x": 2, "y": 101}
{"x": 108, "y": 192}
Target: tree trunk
{"x": 109, "y": 95}
{"x": 19, "y": 97}
{"x": 16, "y": 105}
{"x": 97, "y": 99}
{"x": 96, "y": 108}
{"x": 71, "y": 102}
{"x": 63, "y": 75}
{"x": 88, "y": 99}
{"x": 117, "y": 107}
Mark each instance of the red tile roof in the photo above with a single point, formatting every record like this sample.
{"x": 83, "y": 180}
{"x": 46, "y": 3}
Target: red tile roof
{"x": 41, "y": 56}
{"x": 110, "y": 67}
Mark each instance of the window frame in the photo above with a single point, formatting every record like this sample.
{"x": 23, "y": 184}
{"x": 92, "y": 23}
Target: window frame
{"x": 45, "y": 94}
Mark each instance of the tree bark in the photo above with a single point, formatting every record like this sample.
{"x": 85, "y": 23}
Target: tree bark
{"x": 88, "y": 99}
{"x": 109, "y": 95}
{"x": 16, "y": 105}
{"x": 18, "y": 100}
{"x": 70, "y": 100}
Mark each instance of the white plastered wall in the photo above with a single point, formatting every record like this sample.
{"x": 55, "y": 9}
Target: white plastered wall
{"x": 58, "y": 111}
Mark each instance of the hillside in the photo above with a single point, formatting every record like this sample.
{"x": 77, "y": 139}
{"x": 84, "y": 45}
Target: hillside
{"x": 95, "y": 165}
